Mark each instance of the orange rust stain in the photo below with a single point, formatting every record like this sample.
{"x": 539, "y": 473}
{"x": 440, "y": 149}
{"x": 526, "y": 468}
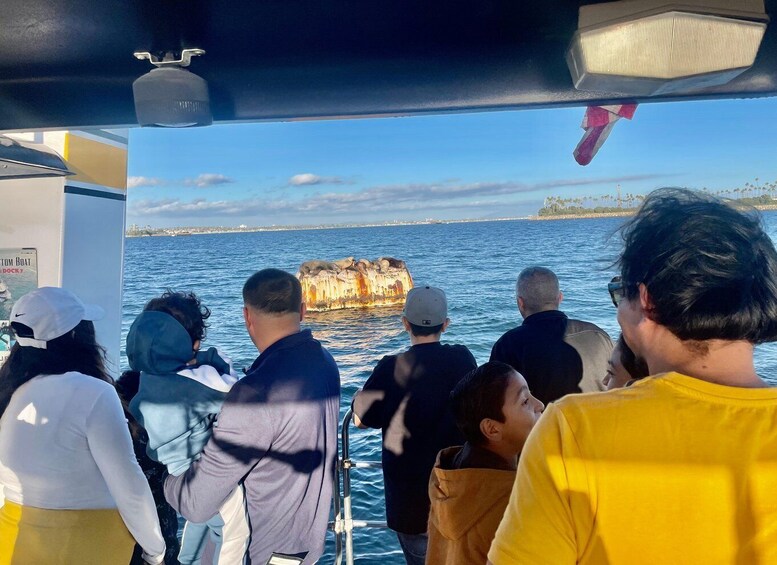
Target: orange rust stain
{"x": 311, "y": 298}
{"x": 361, "y": 286}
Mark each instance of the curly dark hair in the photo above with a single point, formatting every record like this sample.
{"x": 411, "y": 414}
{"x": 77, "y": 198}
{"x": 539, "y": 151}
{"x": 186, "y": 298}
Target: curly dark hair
{"x": 709, "y": 268}
{"x": 186, "y": 308}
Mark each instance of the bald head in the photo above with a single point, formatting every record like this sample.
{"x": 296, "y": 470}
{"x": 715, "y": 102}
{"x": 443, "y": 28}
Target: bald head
{"x": 537, "y": 291}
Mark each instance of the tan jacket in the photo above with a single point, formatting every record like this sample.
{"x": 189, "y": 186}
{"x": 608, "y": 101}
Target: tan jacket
{"x": 467, "y": 506}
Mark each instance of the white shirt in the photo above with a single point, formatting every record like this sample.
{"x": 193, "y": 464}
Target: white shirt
{"x": 64, "y": 444}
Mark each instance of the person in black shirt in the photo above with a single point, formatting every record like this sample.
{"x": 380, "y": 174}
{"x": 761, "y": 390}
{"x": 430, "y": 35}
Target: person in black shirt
{"x": 556, "y": 355}
{"x": 408, "y": 398}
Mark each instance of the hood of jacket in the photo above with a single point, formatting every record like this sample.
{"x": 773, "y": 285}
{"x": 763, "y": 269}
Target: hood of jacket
{"x": 157, "y": 343}
{"x": 462, "y": 497}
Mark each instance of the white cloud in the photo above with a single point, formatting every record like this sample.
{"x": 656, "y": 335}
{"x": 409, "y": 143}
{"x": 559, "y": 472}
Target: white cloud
{"x": 308, "y": 179}
{"x": 137, "y": 182}
{"x": 304, "y": 179}
{"x": 208, "y": 179}
{"x": 202, "y": 181}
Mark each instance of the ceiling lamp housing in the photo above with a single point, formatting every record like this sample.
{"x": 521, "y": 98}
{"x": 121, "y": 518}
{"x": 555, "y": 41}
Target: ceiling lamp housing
{"x": 171, "y": 96}
{"x": 651, "y": 47}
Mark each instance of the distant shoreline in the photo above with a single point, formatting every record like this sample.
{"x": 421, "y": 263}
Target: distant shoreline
{"x": 187, "y": 231}
{"x": 592, "y": 215}
{"x": 183, "y": 232}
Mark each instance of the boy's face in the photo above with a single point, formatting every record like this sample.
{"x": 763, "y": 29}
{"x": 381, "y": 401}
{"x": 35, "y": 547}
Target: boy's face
{"x": 521, "y": 411}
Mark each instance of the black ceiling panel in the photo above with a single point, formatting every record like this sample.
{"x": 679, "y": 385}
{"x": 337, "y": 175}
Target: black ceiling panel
{"x": 69, "y": 63}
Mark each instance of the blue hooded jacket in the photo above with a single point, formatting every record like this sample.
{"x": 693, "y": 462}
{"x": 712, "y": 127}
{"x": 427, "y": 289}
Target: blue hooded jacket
{"x": 176, "y": 403}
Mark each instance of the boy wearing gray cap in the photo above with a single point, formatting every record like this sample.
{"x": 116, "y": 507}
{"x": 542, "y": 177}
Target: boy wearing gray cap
{"x": 407, "y": 397}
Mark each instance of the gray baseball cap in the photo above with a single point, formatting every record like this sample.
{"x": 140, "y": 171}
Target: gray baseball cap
{"x": 426, "y": 306}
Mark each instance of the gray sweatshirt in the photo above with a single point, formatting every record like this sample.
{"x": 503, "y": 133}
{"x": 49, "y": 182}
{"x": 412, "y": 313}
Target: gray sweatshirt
{"x": 277, "y": 435}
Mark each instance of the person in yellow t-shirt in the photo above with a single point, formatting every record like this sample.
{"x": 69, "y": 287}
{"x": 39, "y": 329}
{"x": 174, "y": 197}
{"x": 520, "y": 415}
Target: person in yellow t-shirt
{"x": 681, "y": 467}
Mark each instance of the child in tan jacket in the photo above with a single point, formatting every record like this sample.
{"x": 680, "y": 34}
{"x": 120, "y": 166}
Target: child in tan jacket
{"x": 471, "y": 484}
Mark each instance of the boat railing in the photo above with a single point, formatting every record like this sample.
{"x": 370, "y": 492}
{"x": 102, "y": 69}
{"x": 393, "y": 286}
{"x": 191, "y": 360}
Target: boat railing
{"x": 344, "y": 524}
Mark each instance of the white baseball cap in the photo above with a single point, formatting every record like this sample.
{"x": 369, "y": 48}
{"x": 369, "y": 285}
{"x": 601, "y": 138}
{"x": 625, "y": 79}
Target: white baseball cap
{"x": 51, "y": 312}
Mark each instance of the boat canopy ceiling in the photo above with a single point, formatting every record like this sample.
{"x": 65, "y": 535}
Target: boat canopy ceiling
{"x": 70, "y": 64}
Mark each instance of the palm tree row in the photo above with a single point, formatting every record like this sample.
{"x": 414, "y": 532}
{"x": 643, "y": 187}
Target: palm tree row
{"x": 597, "y": 204}
{"x": 754, "y": 192}
{"x": 756, "y": 189}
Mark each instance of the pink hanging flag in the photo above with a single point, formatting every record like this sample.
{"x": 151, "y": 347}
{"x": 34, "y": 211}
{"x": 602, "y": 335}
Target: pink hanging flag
{"x": 598, "y": 123}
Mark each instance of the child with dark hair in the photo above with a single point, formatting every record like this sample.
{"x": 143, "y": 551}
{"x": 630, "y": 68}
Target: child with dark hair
{"x": 180, "y": 394}
{"x": 471, "y": 484}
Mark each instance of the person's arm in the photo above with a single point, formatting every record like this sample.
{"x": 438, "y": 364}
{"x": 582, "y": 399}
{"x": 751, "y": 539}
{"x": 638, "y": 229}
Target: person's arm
{"x": 111, "y": 447}
{"x": 539, "y": 526}
{"x": 357, "y": 421}
{"x": 221, "y": 362}
{"x": 368, "y": 404}
{"x": 242, "y": 436}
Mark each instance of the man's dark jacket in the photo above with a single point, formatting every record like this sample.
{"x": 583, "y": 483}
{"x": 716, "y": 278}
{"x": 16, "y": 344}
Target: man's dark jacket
{"x": 556, "y": 355}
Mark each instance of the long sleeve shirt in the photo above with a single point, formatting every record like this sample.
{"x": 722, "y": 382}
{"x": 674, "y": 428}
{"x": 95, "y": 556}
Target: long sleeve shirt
{"x": 64, "y": 444}
{"x": 277, "y": 435}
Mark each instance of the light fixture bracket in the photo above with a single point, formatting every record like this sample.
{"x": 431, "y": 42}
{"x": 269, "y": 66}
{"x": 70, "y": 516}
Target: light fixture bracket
{"x": 169, "y": 95}
{"x": 169, "y": 58}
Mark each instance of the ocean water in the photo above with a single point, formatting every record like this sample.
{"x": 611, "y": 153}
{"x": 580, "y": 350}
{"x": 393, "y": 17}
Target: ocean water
{"x": 475, "y": 263}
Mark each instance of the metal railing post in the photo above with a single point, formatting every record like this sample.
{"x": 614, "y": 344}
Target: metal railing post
{"x": 344, "y": 523}
{"x": 347, "y": 510}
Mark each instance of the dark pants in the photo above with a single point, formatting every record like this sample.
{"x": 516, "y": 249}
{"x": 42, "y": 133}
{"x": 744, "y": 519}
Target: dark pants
{"x": 414, "y": 547}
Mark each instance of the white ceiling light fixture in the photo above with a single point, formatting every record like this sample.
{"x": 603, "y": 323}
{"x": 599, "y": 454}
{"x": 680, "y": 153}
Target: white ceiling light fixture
{"x": 169, "y": 95}
{"x": 650, "y": 47}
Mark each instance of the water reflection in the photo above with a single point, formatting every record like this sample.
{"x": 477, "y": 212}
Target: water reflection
{"x": 358, "y": 338}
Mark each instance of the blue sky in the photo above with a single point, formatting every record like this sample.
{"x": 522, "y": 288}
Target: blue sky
{"x": 455, "y": 166}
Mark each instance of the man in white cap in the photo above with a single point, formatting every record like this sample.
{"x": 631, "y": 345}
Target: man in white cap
{"x": 408, "y": 398}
